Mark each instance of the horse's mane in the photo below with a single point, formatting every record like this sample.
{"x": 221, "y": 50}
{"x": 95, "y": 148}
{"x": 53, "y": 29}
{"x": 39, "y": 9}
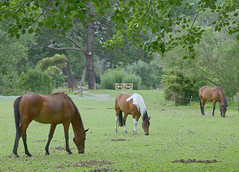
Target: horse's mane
{"x": 224, "y": 97}
{"x": 139, "y": 102}
{"x": 77, "y": 112}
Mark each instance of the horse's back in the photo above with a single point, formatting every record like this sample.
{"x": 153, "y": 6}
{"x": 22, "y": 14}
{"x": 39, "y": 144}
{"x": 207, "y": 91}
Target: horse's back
{"x": 123, "y": 105}
{"x": 52, "y": 108}
{"x": 209, "y": 93}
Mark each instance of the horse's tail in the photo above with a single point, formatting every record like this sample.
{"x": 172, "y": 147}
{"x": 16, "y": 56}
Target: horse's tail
{"x": 120, "y": 119}
{"x": 17, "y": 114}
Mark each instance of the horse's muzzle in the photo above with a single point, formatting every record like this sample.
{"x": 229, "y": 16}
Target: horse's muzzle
{"x": 81, "y": 151}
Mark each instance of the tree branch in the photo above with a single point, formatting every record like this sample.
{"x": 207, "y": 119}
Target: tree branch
{"x": 9, "y": 11}
{"x": 66, "y": 48}
{"x": 79, "y": 47}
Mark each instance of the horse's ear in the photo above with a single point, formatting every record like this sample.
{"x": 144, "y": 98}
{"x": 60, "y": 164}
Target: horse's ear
{"x": 86, "y": 130}
{"x": 149, "y": 117}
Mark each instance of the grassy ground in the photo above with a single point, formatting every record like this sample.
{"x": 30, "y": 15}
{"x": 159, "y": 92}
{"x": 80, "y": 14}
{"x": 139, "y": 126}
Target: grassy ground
{"x": 177, "y": 134}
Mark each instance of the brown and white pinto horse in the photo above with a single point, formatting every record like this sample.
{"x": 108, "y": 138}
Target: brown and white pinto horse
{"x": 214, "y": 95}
{"x": 48, "y": 109}
{"x": 131, "y": 104}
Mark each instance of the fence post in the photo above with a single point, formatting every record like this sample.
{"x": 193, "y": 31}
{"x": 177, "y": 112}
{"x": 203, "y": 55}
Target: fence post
{"x": 238, "y": 103}
{"x": 190, "y": 103}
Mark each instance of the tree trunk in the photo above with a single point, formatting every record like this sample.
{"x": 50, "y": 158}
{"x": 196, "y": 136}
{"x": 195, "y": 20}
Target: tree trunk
{"x": 82, "y": 77}
{"x": 89, "y": 56}
{"x": 67, "y": 71}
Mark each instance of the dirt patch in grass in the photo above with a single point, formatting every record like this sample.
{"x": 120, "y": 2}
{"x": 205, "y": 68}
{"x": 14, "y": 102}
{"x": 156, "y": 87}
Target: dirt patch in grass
{"x": 58, "y": 148}
{"x": 117, "y": 140}
{"x": 194, "y": 161}
{"x": 88, "y": 164}
{"x": 92, "y": 163}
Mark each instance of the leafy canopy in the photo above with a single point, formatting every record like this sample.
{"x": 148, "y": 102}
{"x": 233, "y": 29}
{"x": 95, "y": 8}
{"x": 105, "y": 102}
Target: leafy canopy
{"x": 163, "y": 19}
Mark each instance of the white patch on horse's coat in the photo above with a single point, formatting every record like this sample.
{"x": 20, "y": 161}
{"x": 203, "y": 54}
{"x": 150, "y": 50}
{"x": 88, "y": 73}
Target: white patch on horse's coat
{"x": 139, "y": 102}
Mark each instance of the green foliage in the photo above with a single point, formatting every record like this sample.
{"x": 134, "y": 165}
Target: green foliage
{"x": 110, "y": 77}
{"x": 132, "y": 78}
{"x": 162, "y": 18}
{"x": 36, "y": 81}
{"x": 175, "y": 84}
{"x": 58, "y": 80}
{"x": 53, "y": 65}
{"x": 150, "y": 73}
{"x": 113, "y": 76}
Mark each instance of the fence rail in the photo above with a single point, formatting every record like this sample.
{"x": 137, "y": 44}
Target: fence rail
{"x": 124, "y": 86}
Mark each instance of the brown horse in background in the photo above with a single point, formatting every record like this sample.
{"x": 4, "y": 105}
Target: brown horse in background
{"x": 214, "y": 95}
{"x": 48, "y": 109}
{"x": 131, "y": 104}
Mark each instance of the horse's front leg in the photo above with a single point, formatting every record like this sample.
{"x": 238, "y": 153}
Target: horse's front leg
{"x": 135, "y": 126}
{"x": 66, "y": 130}
{"x": 221, "y": 110}
{"x": 50, "y": 136}
{"x": 214, "y": 104}
{"x": 116, "y": 123}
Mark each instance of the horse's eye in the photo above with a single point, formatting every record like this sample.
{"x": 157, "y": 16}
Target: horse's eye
{"x": 74, "y": 140}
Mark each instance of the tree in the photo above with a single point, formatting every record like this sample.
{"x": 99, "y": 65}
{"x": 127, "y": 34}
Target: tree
{"x": 165, "y": 20}
{"x": 133, "y": 19}
{"x": 216, "y": 63}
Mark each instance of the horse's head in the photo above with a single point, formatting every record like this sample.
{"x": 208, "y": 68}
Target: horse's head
{"x": 79, "y": 141}
{"x": 145, "y": 125}
{"x": 224, "y": 109}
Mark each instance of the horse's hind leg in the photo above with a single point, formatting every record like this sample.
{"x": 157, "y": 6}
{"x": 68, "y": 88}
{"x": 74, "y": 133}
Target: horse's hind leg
{"x": 202, "y": 103}
{"x": 66, "y": 130}
{"x": 50, "y": 136}
{"x": 16, "y": 144}
{"x": 24, "y": 138}
{"x": 124, "y": 122}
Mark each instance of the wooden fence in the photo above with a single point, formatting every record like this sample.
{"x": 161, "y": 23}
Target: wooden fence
{"x": 124, "y": 86}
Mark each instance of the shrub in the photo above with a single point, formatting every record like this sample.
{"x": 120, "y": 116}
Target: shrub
{"x": 36, "y": 81}
{"x": 132, "y": 78}
{"x": 110, "y": 77}
{"x": 150, "y": 73}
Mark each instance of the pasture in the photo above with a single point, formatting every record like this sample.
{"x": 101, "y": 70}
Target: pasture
{"x": 180, "y": 138}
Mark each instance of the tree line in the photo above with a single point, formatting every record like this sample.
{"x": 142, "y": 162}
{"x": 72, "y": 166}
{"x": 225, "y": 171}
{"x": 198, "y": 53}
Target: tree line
{"x": 191, "y": 42}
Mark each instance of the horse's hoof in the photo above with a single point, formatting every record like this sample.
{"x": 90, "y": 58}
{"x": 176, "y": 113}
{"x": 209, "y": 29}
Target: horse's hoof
{"x": 28, "y": 154}
{"x": 70, "y": 153}
{"x": 47, "y": 153}
{"x": 16, "y": 156}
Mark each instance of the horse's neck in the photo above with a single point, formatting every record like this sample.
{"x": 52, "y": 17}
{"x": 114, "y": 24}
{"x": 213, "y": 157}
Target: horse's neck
{"x": 77, "y": 124}
{"x": 223, "y": 98}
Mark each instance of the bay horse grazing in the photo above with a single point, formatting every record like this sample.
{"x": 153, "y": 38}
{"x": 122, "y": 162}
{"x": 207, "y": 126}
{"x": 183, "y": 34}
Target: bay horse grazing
{"x": 134, "y": 105}
{"x": 214, "y": 95}
{"x": 48, "y": 109}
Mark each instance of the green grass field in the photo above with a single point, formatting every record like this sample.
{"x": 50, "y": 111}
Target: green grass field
{"x": 177, "y": 133}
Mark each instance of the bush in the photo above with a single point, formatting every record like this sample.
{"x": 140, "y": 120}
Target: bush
{"x": 36, "y": 81}
{"x": 132, "y": 78}
{"x": 175, "y": 84}
{"x": 150, "y": 73}
{"x": 110, "y": 77}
